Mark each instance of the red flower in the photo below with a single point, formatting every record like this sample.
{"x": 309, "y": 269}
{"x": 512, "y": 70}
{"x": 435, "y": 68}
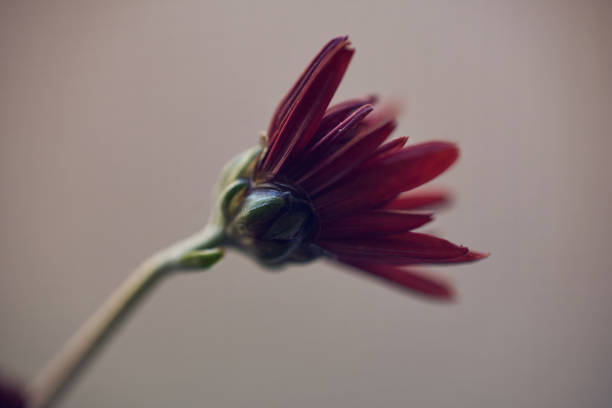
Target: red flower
{"x": 334, "y": 168}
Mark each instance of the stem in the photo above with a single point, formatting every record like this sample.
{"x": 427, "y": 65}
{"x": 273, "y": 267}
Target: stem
{"x": 78, "y": 351}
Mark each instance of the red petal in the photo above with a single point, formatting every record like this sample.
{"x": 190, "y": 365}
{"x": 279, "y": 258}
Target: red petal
{"x": 471, "y": 256}
{"x": 467, "y": 258}
{"x": 340, "y": 162}
{"x": 328, "y": 143}
{"x": 324, "y": 145}
{"x": 389, "y": 148}
{"x": 338, "y": 113}
{"x": 392, "y": 146}
{"x": 421, "y": 199}
{"x": 283, "y": 108}
{"x": 408, "y": 279}
{"x": 395, "y": 249}
{"x": 379, "y": 182}
{"x": 388, "y": 110}
{"x": 372, "y": 224}
{"x": 307, "y": 109}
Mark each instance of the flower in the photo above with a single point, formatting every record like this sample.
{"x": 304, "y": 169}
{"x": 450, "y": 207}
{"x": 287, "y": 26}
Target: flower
{"x": 327, "y": 183}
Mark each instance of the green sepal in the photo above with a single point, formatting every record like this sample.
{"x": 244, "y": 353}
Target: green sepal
{"x": 287, "y": 226}
{"x": 259, "y": 208}
{"x": 241, "y": 165}
{"x": 231, "y": 198}
{"x": 234, "y": 181}
{"x": 201, "y": 259}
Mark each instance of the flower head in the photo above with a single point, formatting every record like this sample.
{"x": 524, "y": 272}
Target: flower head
{"x": 327, "y": 182}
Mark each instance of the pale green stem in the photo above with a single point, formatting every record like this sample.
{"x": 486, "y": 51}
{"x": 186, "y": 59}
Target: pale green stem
{"x": 63, "y": 368}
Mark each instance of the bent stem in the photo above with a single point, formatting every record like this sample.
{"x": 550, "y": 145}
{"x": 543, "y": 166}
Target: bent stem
{"x": 64, "y": 367}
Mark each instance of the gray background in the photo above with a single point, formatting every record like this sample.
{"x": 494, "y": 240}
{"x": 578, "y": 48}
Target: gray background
{"x": 116, "y": 116}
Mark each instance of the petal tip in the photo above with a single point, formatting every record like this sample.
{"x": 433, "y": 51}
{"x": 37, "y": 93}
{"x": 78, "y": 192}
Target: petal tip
{"x": 474, "y": 256}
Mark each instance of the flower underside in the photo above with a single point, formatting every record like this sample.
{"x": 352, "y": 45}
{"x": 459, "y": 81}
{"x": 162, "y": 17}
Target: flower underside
{"x": 328, "y": 182}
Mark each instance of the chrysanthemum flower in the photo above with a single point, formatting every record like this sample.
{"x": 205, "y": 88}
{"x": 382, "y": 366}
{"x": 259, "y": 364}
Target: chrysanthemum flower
{"x": 326, "y": 182}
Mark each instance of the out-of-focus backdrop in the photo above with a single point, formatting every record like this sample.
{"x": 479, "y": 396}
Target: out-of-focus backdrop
{"x": 116, "y": 116}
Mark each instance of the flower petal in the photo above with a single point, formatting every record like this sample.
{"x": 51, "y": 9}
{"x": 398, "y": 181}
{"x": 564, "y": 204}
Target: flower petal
{"x": 471, "y": 256}
{"x": 306, "y": 109}
{"x": 395, "y": 249}
{"x": 387, "y": 149}
{"x": 338, "y": 113}
{"x": 418, "y": 200}
{"x": 386, "y": 111}
{"x": 285, "y": 105}
{"x": 373, "y": 185}
{"x": 342, "y": 161}
{"x": 329, "y": 143}
{"x": 407, "y": 279}
{"x": 371, "y": 224}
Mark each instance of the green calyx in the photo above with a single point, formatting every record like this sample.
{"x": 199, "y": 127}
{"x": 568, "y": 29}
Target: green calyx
{"x": 260, "y": 208}
{"x": 241, "y": 166}
{"x": 201, "y": 259}
{"x": 271, "y": 221}
{"x": 233, "y": 183}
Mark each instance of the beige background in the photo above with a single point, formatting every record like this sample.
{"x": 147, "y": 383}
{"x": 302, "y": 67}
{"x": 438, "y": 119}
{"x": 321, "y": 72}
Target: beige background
{"x": 116, "y": 116}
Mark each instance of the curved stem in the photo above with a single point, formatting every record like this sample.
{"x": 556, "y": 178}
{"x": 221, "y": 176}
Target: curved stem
{"x": 63, "y": 368}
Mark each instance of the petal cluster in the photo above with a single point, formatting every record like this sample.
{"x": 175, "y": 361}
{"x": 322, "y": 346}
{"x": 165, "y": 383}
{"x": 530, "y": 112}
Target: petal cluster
{"x": 357, "y": 180}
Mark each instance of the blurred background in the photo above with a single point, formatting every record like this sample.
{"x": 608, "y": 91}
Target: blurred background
{"x": 116, "y": 116}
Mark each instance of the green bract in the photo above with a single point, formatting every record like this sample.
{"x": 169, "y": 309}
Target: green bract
{"x": 234, "y": 181}
{"x": 271, "y": 221}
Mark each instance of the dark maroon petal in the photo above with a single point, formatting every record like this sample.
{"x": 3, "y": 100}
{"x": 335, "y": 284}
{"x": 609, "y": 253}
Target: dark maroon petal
{"x": 389, "y": 148}
{"x": 407, "y": 279}
{"x": 372, "y": 224}
{"x": 338, "y": 113}
{"x": 392, "y": 146}
{"x": 305, "y": 113}
{"x": 421, "y": 199}
{"x": 394, "y": 249}
{"x": 471, "y": 256}
{"x": 373, "y": 185}
{"x": 327, "y": 144}
{"x": 386, "y": 111}
{"x": 281, "y": 112}
{"x": 340, "y": 162}
{"x": 467, "y": 258}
